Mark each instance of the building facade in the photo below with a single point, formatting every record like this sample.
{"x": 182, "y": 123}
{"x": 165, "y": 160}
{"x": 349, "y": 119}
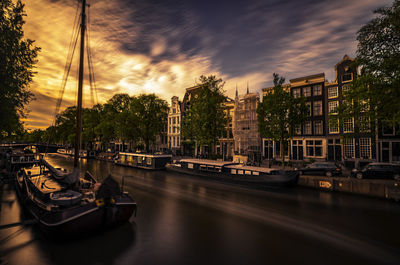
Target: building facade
{"x": 245, "y": 126}
{"x": 226, "y": 147}
{"x": 174, "y": 126}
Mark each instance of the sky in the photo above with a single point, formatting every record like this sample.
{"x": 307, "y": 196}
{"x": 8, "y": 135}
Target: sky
{"x": 164, "y": 46}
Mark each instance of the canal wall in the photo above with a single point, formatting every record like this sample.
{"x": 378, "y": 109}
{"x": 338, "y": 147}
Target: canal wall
{"x": 389, "y": 189}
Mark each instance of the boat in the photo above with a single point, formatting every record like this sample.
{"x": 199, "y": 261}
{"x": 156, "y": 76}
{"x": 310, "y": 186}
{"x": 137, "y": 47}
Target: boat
{"x": 19, "y": 158}
{"x": 142, "y": 160}
{"x": 63, "y": 203}
{"x": 235, "y": 172}
{"x": 82, "y": 153}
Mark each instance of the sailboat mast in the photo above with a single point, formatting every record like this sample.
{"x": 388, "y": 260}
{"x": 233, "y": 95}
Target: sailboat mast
{"x": 80, "y": 87}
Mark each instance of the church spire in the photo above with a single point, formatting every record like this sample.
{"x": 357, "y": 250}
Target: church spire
{"x": 247, "y": 87}
{"x": 237, "y": 95}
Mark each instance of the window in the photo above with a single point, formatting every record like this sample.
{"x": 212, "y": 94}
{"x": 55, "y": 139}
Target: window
{"x": 173, "y": 120}
{"x": 307, "y": 127}
{"x": 296, "y": 92}
{"x": 308, "y": 105}
{"x": 333, "y": 92}
{"x": 347, "y": 77}
{"x": 348, "y": 125}
{"x": 365, "y": 148}
{"x": 317, "y": 108}
{"x": 314, "y": 147}
{"x": 173, "y": 141}
{"x": 334, "y": 128}
{"x": 318, "y": 128}
{"x": 173, "y": 110}
{"x": 177, "y": 141}
{"x": 364, "y": 124}
{"x": 177, "y": 118}
{"x": 348, "y": 148}
{"x": 317, "y": 90}
{"x": 345, "y": 88}
{"x": 173, "y": 129}
{"x": 332, "y": 105}
{"x": 297, "y": 130}
{"x": 307, "y": 91}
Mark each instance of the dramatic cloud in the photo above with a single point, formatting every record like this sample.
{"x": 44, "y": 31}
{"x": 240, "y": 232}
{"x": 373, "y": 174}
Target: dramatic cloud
{"x": 162, "y": 47}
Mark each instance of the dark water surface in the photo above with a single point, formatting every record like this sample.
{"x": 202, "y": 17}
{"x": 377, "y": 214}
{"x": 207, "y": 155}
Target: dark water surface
{"x": 189, "y": 220}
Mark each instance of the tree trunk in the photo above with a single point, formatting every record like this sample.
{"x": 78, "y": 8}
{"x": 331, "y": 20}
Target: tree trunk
{"x": 282, "y": 153}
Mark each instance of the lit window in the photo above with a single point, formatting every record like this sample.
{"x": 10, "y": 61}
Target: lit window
{"x": 317, "y": 108}
{"x": 317, "y": 90}
{"x": 348, "y": 125}
{"x": 296, "y": 92}
{"x": 365, "y": 148}
{"x": 365, "y": 124}
{"x": 307, "y": 91}
{"x": 333, "y": 92}
{"x": 334, "y": 128}
{"x": 314, "y": 148}
{"x": 332, "y": 105}
{"x": 348, "y": 148}
{"x": 318, "y": 128}
{"x": 297, "y": 130}
{"x": 307, "y": 127}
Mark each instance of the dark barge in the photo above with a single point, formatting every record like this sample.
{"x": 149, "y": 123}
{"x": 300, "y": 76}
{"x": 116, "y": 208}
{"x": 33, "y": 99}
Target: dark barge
{"x": 144, "y": 161}
{"x": 234, "y": 172}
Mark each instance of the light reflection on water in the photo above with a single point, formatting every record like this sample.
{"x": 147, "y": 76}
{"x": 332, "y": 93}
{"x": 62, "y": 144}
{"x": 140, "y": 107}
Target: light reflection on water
{"x": 185, "y": 220}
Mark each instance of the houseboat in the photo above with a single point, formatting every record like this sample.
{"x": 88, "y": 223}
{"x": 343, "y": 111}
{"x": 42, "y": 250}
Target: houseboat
{"x": 235, "y": 172}
{"x": 145, "y": 161}
{"x": 19, "y": 158}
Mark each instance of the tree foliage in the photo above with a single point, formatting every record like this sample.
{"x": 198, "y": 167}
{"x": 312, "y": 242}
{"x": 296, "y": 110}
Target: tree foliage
{"x": 17, "y": 59}
{"x": 205, "y": 120}
{"x": 376, "y": 92}
{"x": 279, "y": 113}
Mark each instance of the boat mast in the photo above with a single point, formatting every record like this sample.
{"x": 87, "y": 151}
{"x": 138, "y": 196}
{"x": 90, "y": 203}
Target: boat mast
{"x": 80, "y": 86}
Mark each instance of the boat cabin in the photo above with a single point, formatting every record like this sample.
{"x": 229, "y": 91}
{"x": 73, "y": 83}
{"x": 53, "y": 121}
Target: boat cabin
{"x": 146, "y": 161}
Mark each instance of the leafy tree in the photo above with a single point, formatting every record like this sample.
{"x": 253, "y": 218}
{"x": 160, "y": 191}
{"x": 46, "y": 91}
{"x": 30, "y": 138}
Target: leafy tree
{"x": 17, "y": 59}
{"x": 376, "y": 92}
{"x": 66, "y": 125}
{"x": 205, "y": 120}
{"x": 147, "y": 114}
{"x": 280, "y": 113}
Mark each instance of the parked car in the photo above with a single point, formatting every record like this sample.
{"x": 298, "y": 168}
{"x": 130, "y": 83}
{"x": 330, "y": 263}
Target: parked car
{"x": 328, "y": 169}
{"x": 378, "y": 171}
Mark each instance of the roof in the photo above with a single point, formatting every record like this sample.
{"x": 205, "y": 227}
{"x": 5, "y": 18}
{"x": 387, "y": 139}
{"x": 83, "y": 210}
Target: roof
{"x": 308, "y": 77}
{"x": 206, "y": 162}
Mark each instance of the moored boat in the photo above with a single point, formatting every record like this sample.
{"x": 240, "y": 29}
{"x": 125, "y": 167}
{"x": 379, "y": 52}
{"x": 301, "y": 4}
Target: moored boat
{"x": 19, "y": 158}
{"x": 63, "y": 206}
{"x": 235, "y": 172}
{"x": 145, "y": 161}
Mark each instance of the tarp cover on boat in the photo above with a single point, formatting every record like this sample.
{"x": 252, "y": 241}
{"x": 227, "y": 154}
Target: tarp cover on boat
{"x": 64, "y": 177}
{"x": 108, "y": 188}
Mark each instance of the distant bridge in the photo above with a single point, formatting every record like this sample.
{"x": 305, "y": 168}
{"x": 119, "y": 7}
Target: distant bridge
{"x": 42, "y": 147}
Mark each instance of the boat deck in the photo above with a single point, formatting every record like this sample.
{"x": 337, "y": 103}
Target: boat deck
{"x": 207, "y": 162}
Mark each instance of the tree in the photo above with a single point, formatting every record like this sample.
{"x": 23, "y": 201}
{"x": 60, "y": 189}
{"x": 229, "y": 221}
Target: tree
{"x": 148, "y": 113}
{"x": 279, "y": 114}
{"x": 377, "y": 90}
{"x": 205, "y": 120}
{"x": 17, "y": 59}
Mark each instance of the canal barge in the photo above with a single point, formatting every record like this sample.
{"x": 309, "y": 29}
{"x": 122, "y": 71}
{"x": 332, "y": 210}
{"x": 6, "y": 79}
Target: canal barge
{"x": 19, "y": 158}
{"x": 82, "y": 153}
{"x": 235, "y": 172}
{"x": 144, "y": 161}
{"x": 65, "y": 205}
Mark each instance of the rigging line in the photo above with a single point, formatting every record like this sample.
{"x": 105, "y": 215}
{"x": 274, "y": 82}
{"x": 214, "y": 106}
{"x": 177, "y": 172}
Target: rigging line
{"x": 91, "y": 67}
{"x": 70, "y": 55}
{"x": 88, "y": 55}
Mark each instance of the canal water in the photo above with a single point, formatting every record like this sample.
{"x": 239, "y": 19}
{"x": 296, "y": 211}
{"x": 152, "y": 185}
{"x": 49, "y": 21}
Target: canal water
{"x": 189, "y": 220}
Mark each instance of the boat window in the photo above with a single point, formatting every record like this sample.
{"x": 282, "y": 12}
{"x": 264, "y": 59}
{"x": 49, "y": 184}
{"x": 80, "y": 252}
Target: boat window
{"x": 190, "y": 165}
{"x": 233, "y": 171}
{"x": 219, "y": 169}
{"x": 247, "y": 172}
{"x": 148, "y": 161}
{"x": 203, "y": 167}
{"x": 256, "y": 173}
{"x": 240, "y": 172}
